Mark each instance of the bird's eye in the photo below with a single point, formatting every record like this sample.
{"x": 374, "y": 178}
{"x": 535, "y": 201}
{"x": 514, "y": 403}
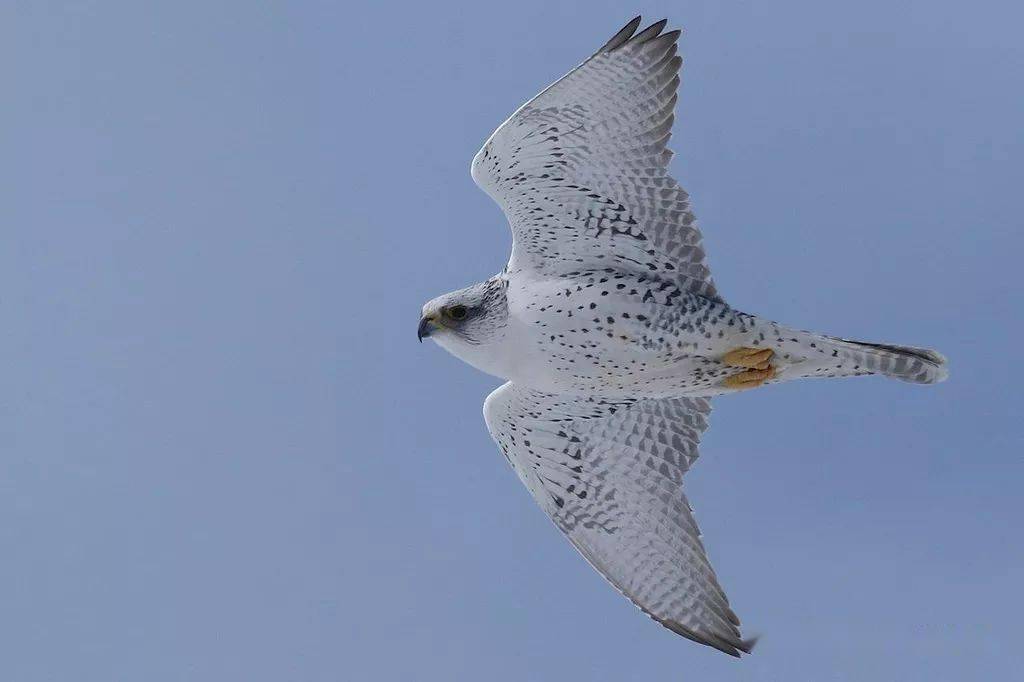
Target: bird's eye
{"x": 457, "y": 312}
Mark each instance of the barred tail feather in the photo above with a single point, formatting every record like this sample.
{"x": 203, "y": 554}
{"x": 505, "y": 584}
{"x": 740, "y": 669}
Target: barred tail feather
{"x": 906, "y": 363}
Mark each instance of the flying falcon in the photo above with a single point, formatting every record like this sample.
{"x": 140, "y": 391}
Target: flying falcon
{"x": 611, "y": 335}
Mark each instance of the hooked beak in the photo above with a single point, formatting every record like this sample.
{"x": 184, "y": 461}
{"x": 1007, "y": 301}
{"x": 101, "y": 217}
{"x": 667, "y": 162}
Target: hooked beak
{"x": 426, "y": 328}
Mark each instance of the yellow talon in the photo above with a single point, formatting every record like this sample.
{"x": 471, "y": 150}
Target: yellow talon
{"x": 751, "y": 378}
{"x": 751, "y": 358}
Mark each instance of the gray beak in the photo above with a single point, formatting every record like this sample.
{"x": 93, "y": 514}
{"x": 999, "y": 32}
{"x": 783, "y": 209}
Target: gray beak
{"x": 426, "y": 327}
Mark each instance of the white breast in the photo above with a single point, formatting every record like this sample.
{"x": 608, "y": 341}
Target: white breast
{"x": 593, "y": 333}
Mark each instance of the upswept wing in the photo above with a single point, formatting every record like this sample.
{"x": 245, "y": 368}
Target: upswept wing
{"x": 580, "y": 170}
{"x": 609, "y": 473}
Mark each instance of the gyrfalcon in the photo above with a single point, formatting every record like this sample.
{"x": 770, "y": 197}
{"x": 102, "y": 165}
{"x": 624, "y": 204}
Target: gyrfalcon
{"x": 611, "y": 334}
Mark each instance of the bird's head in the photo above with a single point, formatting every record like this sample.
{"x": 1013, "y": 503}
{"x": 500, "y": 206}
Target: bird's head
{"x": 474, "y": 316}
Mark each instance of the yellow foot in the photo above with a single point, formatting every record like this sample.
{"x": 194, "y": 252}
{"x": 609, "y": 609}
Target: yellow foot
{"x": 751, "y": 358}
{"x": 751, "y": 378}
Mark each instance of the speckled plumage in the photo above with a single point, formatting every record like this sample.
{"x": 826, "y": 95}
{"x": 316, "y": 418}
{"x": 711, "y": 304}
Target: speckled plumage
{"x": 610, "y": 330}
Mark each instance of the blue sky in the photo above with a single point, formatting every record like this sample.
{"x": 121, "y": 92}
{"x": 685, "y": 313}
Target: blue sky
{"x": 224, "y": 455}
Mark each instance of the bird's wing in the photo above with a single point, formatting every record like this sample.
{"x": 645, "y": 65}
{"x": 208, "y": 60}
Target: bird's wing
{"x": 580, "y": 170}
{"x": 609, "y": 473}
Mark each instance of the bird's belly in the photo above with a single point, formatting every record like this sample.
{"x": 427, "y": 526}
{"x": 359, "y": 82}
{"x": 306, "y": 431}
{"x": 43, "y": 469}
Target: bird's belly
{"x": 620, "y": 336}
{"x": 605, "y": 371}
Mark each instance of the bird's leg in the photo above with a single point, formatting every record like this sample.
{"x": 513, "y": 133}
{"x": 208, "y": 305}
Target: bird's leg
{"x": 750, "y": 358}
{"x": 750, "y": 378}
{"x": 757, "y": 363}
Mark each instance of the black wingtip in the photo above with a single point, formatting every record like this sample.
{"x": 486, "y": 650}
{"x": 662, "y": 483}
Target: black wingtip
{"x": 650, "y": 32}
{"x": 730, "y": 646}
{"x": 624, "y": 34}
{"x": 749, "y": 644}
{"x": 726, "y": 644}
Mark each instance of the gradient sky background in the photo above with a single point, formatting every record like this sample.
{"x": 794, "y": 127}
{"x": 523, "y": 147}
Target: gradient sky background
{"x": 223, "y": 455}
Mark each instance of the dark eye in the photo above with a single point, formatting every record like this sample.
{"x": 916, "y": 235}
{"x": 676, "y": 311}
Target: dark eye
{"x": 457, "y": 312}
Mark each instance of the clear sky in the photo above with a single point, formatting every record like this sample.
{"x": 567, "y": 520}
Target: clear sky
{"x": 223, "y": 455}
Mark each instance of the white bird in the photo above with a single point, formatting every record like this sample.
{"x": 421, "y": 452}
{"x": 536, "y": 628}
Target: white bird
{"x": 611, "y": 334}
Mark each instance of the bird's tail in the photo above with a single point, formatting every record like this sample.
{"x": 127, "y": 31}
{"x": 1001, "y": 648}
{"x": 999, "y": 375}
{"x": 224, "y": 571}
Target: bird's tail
{"x": 830, "y": 356}
{"x": 906, "y": 363}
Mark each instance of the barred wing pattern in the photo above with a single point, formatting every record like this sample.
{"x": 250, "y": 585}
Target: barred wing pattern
{"x": 609, "y": 473}
{"x": 580, "y": 170}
